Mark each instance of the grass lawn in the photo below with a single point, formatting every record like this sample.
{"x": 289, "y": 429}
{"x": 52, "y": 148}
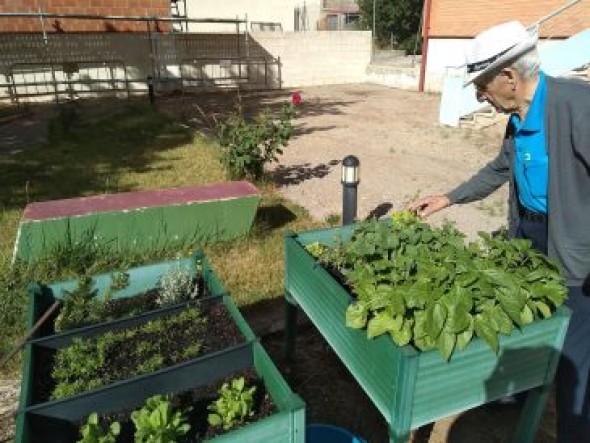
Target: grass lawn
{"x": 120, "y": 147}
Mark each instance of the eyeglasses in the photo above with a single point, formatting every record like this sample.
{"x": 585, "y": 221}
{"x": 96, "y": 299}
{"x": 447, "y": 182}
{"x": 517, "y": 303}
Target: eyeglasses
{"x": 482, "y": 84}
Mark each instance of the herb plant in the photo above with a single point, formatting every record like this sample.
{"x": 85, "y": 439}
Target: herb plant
{"x": 92, "y": 432}
{"x": 174, "y": 286}
{"x": 90, "y": 363}
{"x": 80, "y": 306}
{"x": 234, "y": 405}
{"x": 425, "y": 287}
{"x": 247, "y": 146}
{"x": 159, "y": 422}
{"x": 83, "y": 307}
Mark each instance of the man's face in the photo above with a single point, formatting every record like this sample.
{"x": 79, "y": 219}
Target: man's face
{"x": 498, "y": 91}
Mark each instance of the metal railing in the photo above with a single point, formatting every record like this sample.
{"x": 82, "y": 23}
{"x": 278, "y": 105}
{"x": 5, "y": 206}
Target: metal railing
{"x": 68, "y": 65}
{"x": 65, "y": 80}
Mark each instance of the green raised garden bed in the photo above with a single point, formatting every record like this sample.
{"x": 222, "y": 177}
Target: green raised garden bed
{"x": 412, "y": 388}
{"x": 58, "y": 421}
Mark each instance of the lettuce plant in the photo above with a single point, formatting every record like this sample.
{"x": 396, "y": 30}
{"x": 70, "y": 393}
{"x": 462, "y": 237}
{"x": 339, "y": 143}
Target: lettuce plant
{"x": 159, "y": 422}
{"x": 92, "y": 432}
{"x": 234, "y": 405}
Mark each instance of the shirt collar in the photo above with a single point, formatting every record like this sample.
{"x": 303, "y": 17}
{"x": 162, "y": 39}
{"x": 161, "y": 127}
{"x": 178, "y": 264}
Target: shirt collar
{"x": 533, "y": 121}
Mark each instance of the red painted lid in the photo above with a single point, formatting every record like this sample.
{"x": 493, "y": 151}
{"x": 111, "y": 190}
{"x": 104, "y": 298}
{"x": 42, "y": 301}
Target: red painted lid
{"x": 136, "y": 200}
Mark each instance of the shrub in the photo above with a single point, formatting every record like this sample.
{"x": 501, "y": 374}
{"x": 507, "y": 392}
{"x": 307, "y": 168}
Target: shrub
{"x": 248, "y": 146}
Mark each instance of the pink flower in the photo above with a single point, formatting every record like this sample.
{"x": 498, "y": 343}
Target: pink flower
{"x": 296, "y": 98}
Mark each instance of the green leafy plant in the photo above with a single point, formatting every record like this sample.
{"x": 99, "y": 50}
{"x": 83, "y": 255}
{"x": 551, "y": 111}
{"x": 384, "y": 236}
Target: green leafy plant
{"x": 80, "y": 306}
{"x": 92, "y": 432}
{"x": 174, "y": 286}
{"x": 247, "y": 146}
{"x": 83, "y": 307}
{"x": 234, "y": 405}
{"x": 425, "y": 287}
{"x": 159, "y": 422}
{"x": 90, "y": 363}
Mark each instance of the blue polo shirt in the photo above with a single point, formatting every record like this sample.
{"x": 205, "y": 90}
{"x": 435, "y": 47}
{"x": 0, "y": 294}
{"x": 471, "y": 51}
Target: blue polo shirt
{"x": 531, "y": 163}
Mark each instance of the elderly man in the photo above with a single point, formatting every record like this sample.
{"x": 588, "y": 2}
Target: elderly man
{"x": 545, "y": 158}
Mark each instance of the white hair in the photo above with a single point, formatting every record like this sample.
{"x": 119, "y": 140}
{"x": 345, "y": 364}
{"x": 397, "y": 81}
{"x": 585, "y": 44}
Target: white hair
{"x": 528, "y": 64}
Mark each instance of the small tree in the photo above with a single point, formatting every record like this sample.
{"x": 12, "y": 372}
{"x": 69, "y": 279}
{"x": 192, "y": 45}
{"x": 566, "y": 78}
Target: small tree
{"x": 397, "y": 18}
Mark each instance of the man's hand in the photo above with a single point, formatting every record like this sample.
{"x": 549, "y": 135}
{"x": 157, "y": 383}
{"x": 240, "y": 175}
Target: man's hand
{"x": 429, "y": 205}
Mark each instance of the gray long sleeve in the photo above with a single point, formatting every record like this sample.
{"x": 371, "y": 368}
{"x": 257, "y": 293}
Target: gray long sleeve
{"x": 483, "y": 183}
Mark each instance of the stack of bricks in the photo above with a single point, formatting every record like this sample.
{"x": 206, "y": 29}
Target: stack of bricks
{"x": 133, "y": 8}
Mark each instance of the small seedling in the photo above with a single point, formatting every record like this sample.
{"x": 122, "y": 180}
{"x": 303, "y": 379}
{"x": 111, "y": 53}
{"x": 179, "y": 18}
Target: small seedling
{"x": 234, "y": 405}
{"x": 159, "y": 422}
{"x": 92, "y": 432}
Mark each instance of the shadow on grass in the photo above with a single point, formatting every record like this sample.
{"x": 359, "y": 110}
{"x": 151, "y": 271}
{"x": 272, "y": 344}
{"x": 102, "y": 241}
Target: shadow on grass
{"x": 90, "y": 147}
{"x": 269, "y": 218}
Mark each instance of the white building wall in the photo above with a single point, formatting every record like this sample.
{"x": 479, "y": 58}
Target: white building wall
{"x": 275, "y": 11}
{"x": 319, "y": 57}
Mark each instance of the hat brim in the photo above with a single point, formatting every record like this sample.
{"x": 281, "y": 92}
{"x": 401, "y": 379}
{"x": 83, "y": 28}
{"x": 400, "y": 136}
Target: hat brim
{"x": 513, "y": 53}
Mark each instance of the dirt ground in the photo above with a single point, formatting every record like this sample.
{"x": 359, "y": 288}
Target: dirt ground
{"x": 403, "y": 154}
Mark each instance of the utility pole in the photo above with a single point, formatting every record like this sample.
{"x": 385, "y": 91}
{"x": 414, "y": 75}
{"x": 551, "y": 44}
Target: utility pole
{"x": 374, "y": 31}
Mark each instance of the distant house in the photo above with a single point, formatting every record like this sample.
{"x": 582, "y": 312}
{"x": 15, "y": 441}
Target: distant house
{"x": 274, "y": 15}
{"x": 453, "y": 23}
{"x": 159, "y": 8}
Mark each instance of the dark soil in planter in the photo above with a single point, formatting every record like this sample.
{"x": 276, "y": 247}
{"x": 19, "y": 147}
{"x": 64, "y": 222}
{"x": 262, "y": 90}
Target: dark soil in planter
{"x": 198, "y": 399}
{"x": 219, "y": 332}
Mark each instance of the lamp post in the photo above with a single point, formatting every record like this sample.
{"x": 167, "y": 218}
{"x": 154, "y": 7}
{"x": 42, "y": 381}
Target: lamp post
{"x": 350, "y": 180}
{"x": 151, "y": 95}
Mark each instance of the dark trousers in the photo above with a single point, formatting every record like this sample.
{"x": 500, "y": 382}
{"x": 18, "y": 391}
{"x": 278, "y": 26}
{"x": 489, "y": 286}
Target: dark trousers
{"x": 573, "y": 391}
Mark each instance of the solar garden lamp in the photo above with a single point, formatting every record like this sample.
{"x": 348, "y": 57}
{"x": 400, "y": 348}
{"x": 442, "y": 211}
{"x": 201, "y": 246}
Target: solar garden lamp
{"x": 350, "y": 181}
{"x": 150, "y": 82}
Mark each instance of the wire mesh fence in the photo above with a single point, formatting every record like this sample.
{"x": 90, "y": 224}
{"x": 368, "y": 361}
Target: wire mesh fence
{"x": 62, "y": 57}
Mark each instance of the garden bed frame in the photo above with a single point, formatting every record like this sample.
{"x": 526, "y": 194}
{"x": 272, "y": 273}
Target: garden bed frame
{"x": 412, "y": 388}
{"x": 54, "y": 419}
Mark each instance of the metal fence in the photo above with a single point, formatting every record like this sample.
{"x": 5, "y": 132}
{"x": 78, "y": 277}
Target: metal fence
{"x": 58, "y": 66}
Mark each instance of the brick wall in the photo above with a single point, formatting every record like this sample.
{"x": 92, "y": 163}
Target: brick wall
{"x": 159, "y": 8}
{"x": 460, "y": 18}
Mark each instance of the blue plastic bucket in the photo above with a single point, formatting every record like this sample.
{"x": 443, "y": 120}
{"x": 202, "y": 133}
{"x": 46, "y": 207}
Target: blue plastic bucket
{"x": 318, "y": 433}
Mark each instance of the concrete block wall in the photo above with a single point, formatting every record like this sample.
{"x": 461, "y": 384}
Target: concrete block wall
{"x": 319, "y": 57}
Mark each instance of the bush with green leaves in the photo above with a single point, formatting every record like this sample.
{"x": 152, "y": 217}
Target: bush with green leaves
{"x": 247, "y": 146}
{"x": 92, "y": 431}
{"x": 426, "y": 287}
{"x": 233, "y": 406}
{"x": 159, "y": 422}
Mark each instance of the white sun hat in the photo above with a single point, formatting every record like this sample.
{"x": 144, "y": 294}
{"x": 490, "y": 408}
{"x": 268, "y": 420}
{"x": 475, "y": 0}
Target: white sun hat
{"x": 497, "y": 46}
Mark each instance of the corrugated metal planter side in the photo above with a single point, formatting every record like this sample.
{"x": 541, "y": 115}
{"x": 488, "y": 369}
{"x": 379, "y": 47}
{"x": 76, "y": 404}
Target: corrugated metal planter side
{"x": 413, "y": 388}
{"x": 56, "y": 420}
{"x": 287, "y": 425}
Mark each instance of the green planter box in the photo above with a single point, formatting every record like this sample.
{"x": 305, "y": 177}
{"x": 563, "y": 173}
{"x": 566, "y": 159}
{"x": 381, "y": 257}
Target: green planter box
{"x": 54, "y": 419}
{"x": 412, "y": 388}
